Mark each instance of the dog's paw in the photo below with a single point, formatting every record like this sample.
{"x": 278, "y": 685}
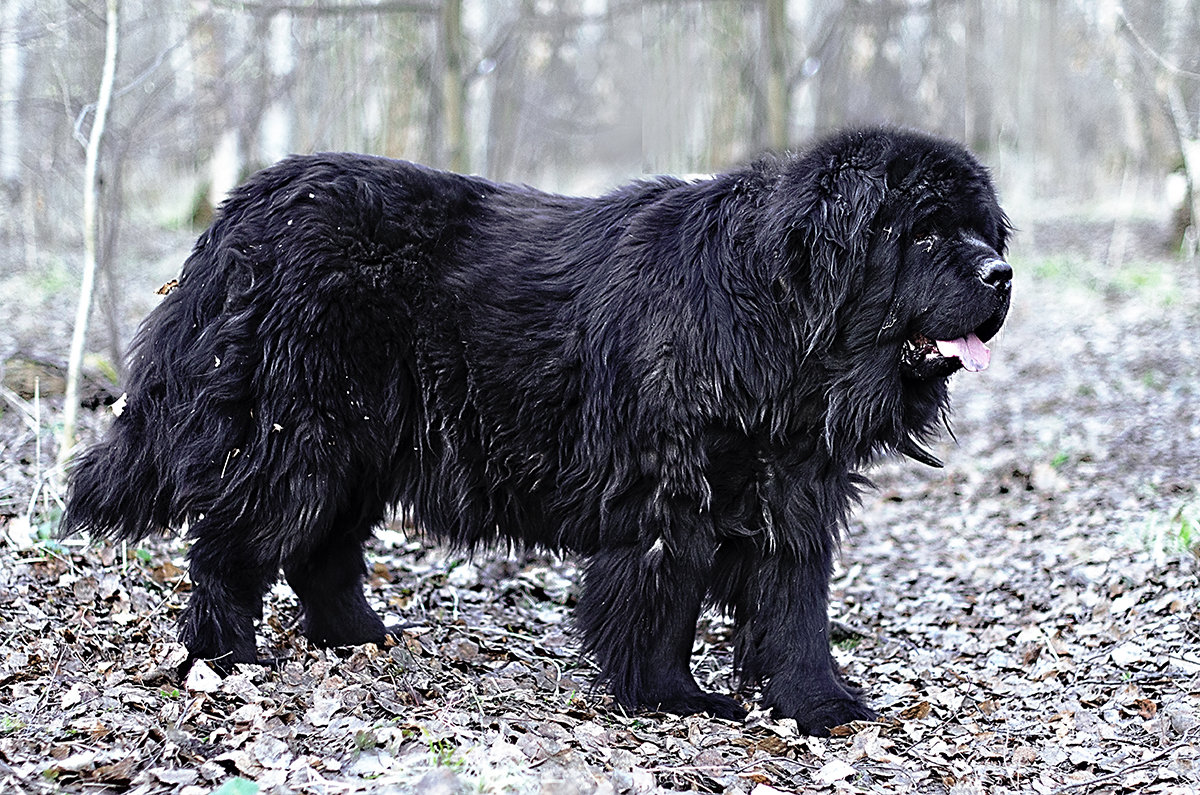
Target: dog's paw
{"x": 331, "y": 632}
{"x": 818, "y": 717}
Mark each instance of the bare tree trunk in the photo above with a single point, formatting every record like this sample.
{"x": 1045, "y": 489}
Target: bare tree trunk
{"x": 1186, "y": 120}
{"x": 275, "y": 129}
{"x": 225, "y": 166}
{"x": 211, "y": 44}
{"x": 509, "y": 79}
{"x": 1189, "y": 148}
{"x": 12, "y": 70}
{"x": 12, "y": 76}
{"x": 110, "y": 297}
{"x": 91, "y": 197}
{"x": 778, "y": 87}
{"x": 1168, "y": 76}
{"x": 972, "y": 32}
{"x": 453, "y": 87}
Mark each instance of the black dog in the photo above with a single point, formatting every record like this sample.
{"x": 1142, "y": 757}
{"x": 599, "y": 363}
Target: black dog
{"x": 677, "y": 381}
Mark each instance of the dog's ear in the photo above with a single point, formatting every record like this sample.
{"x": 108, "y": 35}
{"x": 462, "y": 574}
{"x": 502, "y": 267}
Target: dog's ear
{"x": 900, "y": 167}
{"x": 830, "y": 237}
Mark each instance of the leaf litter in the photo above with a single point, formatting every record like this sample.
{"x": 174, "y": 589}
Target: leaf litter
{"x": 1025, "y": 620}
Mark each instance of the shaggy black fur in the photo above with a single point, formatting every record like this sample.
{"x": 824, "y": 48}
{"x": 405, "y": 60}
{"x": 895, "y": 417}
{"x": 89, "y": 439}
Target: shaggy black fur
{"x": 677, "y": 381}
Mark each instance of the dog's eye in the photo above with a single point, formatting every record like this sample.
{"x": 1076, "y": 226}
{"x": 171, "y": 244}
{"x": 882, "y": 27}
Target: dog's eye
{"x": 928, "y": 241}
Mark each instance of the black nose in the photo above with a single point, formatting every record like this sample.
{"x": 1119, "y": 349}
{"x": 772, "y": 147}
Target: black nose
{"x": 996, "y": 273}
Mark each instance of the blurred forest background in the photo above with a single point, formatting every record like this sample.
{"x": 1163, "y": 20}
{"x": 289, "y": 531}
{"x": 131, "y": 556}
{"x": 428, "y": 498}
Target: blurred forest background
{"x": 1089, "y": 106}
{"x": 1026, "y": 618}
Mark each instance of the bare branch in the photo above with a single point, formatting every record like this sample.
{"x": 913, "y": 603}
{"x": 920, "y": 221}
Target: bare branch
{"x": 91, "y": 197}
{"x": 1162, "y": 61}
{"x": 332, "y": 9}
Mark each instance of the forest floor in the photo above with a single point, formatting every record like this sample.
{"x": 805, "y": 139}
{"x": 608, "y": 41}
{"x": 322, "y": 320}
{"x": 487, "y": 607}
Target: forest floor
{"x": 1026, "y": 619}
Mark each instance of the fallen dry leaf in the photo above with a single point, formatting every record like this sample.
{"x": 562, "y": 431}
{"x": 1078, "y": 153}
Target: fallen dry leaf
{"x": 834, "y": 770}
{"x": 1020, "y": 631}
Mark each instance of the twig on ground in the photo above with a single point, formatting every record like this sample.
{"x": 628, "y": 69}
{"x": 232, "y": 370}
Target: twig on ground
{"x": 1118, "y": 773}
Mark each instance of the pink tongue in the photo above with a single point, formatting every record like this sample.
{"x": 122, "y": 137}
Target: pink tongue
{"x": 974, "y": 355}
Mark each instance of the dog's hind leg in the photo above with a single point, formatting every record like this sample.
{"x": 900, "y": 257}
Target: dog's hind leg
{"x": 328, "y": 580}
{"x": 638, "y": 610}
{"x": 228, "y": 585}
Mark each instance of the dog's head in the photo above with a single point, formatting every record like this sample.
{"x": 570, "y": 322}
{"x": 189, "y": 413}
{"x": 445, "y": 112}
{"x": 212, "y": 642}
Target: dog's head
{"x": 952, "y": 285}
{"x": 897, "y": 235}
{"x": 895, "y": 243}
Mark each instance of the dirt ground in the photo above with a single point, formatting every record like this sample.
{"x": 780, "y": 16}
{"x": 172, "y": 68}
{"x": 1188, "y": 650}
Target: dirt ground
{"x": 1026, "y": 619}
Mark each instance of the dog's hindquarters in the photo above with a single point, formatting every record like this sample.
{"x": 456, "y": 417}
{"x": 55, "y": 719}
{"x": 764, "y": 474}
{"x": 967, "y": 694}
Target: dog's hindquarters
{"x": 269, "y": 410}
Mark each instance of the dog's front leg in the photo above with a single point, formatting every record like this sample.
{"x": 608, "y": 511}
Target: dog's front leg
{"x": 783, "y": 637}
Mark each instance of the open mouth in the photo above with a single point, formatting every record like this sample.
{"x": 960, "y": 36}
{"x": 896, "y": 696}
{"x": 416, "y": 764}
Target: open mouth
{"x": 969, "y": 352}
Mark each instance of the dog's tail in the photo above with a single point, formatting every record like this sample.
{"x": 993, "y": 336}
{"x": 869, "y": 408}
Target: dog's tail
{"x": 116, "y": 489}
{"x": 149, "y": 472}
